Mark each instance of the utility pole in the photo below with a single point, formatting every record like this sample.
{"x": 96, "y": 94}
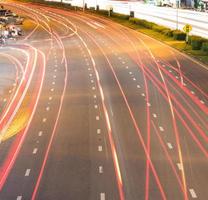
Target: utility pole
{"x": 83, "y": 5}
{"x": 177, "y": 6}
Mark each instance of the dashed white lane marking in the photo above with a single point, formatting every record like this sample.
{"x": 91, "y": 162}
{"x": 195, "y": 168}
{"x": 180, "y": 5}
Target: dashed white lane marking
{"x": 54, "y": 76}
{"x": 154, "y": 115}
{"x": 10, "y": 91}
{"x": 170, "y": 146}
{"x": 163, "y": 65}
{"x": 184, "y": 84}
{"x": 19, "y": 197}
{"x": 202, "y": 101}
{"x": 98, "y": 131}
{"x": 123, "y": 62}
{"x": 143, "y": 94}
{"x": 40, "y": 133}
{"x": 52, "y": 89}
{"x": 93, "y": 88}
{"x": 100, "y": 169}
{"x": 193, "y": 193}
{"x": 50, "y": 98}
{"x": 148, "y": 104}
{"x": 119, "y": 58}
{"x": 47, "y": 108}
{"x": 134, "y": 79}
{"x": 130, "y": 72}
{"x": 55, "y": 70}
{"x": 90, "y": 74}
{"x": 177, "y": 77}
{"x": 161, "y": 128}
{"x": 179, "y": 166}
{"x": 95, "y": 106}
{"x": 94, "y": 96}
{"x": 27, "y": 173}
{"x": 138, "y": 86}
{"x": 100, "y": 148}
{"x": 170, "y": 71}
{"x": 92, "y": 81}
{"x": 4, "y": 100}
{"x": 89, "y": 69}
{"x": 127, "y": 67}
{"x": 102, "y": 196}
{"x": 192, "y": 92}
{"x": 97, "y": 118}
{"x": 44, "y": 119}
{"x": 53, "y": 83}
{"x": 35, "y": 150}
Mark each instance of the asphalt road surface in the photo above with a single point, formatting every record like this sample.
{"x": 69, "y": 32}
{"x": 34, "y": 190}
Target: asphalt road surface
{"x": 93, "y": 110}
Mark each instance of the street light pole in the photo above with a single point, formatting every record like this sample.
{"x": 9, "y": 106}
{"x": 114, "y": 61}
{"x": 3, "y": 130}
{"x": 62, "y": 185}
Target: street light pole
{"x": 177, "y": 5}
{"x": 83, "y": 5}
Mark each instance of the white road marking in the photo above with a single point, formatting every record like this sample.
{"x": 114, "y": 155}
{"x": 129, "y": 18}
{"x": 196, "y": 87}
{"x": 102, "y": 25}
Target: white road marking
{"x": 96, "y": 106}
{"x": 138, "y": 86}
{"x": 54, "y": 76}
{"x": 130, "y": 72}
{"x": 27, "y": 173}
{"x": 100, "y": 148}
{"x": 92, "y": 81}
{"x": 102, "y": 196}
{"x": 193, "y": 193}
{"x": 40, "y": 133}
{"x": 100, "y": 169}
{"x": 163, "y": 65}
{"x": 88, "y": 69}
{"x": 127, "y": 67}
{"x": 184, "y": 84}
{"x": 170, "y": 71}
{"x": 192, "y": 92}
{"x": 98, "y": 131}
{"x": 44, "y": 119}
{"x": 97, "y": 118}
{"x": 93, "y": 26}
{"x": 170, "y": 146}
{"x": 10, "y": 91}
{"x": 90, "y": 74}
{"x": 161, "y": 128}
{"x": 19, "y": 197}
{"x": 93, "y": 88}
{"x": 177, "y": 77}
{"x": 143, "y": 94}
{"x": 123, "y": 62}
{"x": 119, "y": 58}
{"x": 55, "y": 70}
{"x": 134, "y": 79}
{"x": 154, "y": 115}
{"x": 53, "y": 83}
{"x": 148, "y": 104}
{"x": 47, "y": 108}
{"x": 52, "y": 89}
{"x": 4, "y": 100}
{"x": 35, "y": 150}
{"x": 179, "y": 166}
{"x": 50, "y": 98}
{"x": 94, "y": 96}
{"x": 100, "y": 25}
{"x": 202, "y": 102}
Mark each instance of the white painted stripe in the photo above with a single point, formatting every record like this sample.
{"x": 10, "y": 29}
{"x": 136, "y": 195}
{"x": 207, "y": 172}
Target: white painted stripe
{"x": 90, "y": 74}
{"x": 100, "y": 148}
{"x": 94, "y": 96}
{"x": 47, "y": 108}
{"x": 127, "y": 67}
{"x": 19, "y": 197}
{"x": 161, "y": 128}
{"x": 53, "y": 83}
{"x": 5, "y": 100}
{"x": 134, "y": 79}
{"x": 119, "y": 58}
{"x": 93, "y": 26}
{"x": 202, "y": 102}
{"x": 179, "y": 166}
{"x": 170, "y": 146}
{"x": 170, "y": 71}
{"x": 148, "y": 104}
{"x": 44, "y": 119}
{"x": 100, "y": 25}
{"x": 192, "y": 92}
{"x": 52, "y": 89}
{"x": 97, "y": 118}
{"x": 100, "y": 169}
{"x": 123, "y": 62}
{"x": 143, "y": 94}
{"x": 50, "y": 98}
{"x": 35, "y": 150}
{"x": 193, "y": 193}
{"x": 40, "y": 133}
{"x": 154, "y": 115}
{"x": 95, "y": 106}
{"x": 130, "y": 72}
{"x": 138, "y": 86}
{"x": 177, "y": 77}
{"x": 54, "y": 76}
{"x": 92, "y": 81}
{"x": 27, "y": 173}
{"x": 102, "y": 196}
{"x": 93, "y": 88}
{"x": 98, "y": 131}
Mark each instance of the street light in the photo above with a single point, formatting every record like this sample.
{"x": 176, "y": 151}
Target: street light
{"x": 177, "y": 6}
{"x": 83, "y": 5}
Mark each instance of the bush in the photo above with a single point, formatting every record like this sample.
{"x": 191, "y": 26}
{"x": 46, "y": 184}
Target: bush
{"x": 179, "y": 35}
{"x": 103, "y": 12}
{"x": 120, "y": 16}
{"x": 159, "y": 28}
{"x": 142, "y": 22}
{"x": 168, "y": 32}
{"x": 196, "y": 42}
{"x": 205, "y": 46}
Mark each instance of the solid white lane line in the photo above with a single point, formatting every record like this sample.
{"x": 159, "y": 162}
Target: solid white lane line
{"x": 161, "y": 128}
{"x": 193, "y": 193}
{"x": 40, "y": 133}
{"x": 100, "y": 148}
{"x": 98, "y": 131}
{"x": 44, "y": 119}
{"x": 100, "y": 169}
{"x": 170, "y": 146}
{"x": 19, "y": 197}
{"x": 27, "y": 173}
{"x": 35, "y": 150}
{"x": 154, "y": 115}
{"x": 97, "y": 118}
{"x": 179, "y": 166}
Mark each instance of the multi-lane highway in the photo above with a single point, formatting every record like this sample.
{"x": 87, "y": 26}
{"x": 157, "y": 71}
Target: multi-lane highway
{"x": 93, "y": 110}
